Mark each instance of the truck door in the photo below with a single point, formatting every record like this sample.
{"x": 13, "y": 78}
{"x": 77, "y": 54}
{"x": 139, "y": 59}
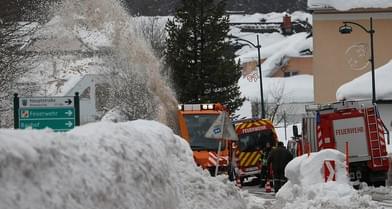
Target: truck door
{"x": 353, "y": 131}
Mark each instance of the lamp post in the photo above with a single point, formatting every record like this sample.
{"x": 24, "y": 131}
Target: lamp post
{"x": 347, "y": 29}
{"x": 258, "y": 46}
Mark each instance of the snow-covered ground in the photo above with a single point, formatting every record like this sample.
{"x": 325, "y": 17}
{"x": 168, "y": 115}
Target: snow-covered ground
{"x": 142, "y": 164}
{"x": 306, "y": 187}
{"x": 133, "y": 165}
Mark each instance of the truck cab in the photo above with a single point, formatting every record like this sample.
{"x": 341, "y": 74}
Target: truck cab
{"x": 253, "y": 135}
{"x": 194, "y": 121}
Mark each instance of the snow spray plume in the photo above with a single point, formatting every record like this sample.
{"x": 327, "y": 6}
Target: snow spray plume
{"x": 136, "y": 87}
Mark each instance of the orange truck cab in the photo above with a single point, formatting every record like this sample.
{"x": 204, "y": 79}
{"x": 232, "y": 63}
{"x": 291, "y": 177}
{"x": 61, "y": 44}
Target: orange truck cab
{"x": 194, "y": 121}
{"x": 253, "y": 135}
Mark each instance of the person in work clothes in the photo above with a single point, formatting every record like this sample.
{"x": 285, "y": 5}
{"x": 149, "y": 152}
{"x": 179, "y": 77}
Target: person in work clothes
{"x": 264, "y": 164}
{"x": 279, "y": 158}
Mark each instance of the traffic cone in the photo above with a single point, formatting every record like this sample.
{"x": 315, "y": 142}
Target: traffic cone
{"x": 268, "y": 186}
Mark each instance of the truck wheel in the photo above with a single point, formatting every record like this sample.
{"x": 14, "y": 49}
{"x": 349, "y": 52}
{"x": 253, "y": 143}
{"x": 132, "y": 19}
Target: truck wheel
{"x": 212, "y": 171}
{"x": 242, "y": 180}
{"x": 379, "y": 183}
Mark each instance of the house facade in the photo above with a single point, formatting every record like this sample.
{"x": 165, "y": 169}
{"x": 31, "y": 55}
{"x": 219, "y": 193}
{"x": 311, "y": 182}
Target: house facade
{"x": 339, "y": 58}
{"x": 300, "y": 65}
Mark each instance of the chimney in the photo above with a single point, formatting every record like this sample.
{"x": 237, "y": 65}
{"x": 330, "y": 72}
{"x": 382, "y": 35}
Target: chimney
{"x": 287, "y": 26}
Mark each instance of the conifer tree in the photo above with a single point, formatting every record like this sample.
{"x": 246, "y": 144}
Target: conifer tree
{"x": 200, "y": 55}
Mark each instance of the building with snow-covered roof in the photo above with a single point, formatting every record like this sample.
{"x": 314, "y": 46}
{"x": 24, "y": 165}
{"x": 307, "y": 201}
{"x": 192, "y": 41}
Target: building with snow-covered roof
{"x": 359, "y": 89}
{"x": 339, "y": 58}
{"x": 286, "y": 64}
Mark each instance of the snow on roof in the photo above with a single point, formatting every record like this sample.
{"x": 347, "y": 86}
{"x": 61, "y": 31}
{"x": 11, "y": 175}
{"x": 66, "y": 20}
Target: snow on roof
{"x": 274, "y": 48}
{"x": 306, "y": 188}
{"x": 344, "y": 5}
{"x": 270, "y": 17}
{"x": 137, "y": 165}
{"x": 360, "y": 88}
{"x": 295, "y": 89}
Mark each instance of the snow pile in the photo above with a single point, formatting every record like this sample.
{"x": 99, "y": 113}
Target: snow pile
{"x": 360, "y": 88}
{"x": 306, "y": 187}
{"x": 134, "y": 165}
{"x": 349, "y": 4}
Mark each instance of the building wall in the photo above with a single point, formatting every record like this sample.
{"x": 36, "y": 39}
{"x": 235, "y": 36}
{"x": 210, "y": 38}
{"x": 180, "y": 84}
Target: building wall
{"x": 302, "y": 65}
{"x": 339, "y": 58}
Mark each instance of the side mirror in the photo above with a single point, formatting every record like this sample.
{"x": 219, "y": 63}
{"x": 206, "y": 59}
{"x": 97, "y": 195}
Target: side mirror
{"x": 295, "y": 131}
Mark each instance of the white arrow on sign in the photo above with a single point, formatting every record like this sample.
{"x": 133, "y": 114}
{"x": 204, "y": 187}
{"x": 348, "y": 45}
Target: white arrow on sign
{"x": 331, "y": 170}
{"x": 69, "y": 113}
{"x": 69, "y": 124}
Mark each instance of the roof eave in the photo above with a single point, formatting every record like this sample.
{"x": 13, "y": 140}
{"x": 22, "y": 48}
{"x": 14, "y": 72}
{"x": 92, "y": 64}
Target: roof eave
{"x": 328, "y": 9}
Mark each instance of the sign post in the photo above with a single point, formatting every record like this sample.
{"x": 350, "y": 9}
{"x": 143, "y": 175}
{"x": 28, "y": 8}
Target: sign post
{"x": 57, "y": 113}
{"x": 221, "y": 129}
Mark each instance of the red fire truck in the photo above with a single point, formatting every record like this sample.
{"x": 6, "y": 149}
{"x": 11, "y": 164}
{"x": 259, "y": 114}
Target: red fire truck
{"x": 348, "y": 125}
{"x": 253, "y": 135}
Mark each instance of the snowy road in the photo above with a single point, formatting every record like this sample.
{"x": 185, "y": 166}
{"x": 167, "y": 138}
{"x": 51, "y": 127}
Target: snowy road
{"x": 260, "y": 192}
{"x": 382, "y": 196}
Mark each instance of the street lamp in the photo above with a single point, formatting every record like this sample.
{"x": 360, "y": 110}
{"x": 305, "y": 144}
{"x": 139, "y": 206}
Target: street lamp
{"x": 347, "y": 29}
{"x": 258, "y": 46}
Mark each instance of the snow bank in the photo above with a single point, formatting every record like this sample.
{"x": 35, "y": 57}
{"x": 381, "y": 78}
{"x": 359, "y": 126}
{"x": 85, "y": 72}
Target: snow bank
{"x": 306, "y": 187}
{"x": 349, "y": 4}
{"x": 133, "y": 165}
{"x": 360, "y": 88}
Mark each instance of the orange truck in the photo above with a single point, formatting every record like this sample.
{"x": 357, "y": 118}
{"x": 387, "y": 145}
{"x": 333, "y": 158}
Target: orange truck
{"x": 253, "y": 135}
{"x": 194, "y": 121}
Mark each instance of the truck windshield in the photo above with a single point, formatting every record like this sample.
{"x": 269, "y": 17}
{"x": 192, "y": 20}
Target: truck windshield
{"x": 198, "y": 125}
{"x": 255, "y": 141}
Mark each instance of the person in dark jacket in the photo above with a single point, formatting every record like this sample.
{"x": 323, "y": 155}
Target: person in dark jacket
{"x": 279, "y": 158}
{"x": 264, "y": 166}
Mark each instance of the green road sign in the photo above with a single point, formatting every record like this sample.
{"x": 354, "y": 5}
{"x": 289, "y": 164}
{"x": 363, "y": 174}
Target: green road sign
{"x": 55, "y": 124}
{"x": 47, "y": 113}
{"x": 57, "y": 113}
{"x": 58, "y": 119}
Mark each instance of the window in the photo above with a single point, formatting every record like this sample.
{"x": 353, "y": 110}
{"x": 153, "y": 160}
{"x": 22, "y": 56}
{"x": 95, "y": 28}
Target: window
{"x": 251, "y": 142}
{"x": 198, "y": 125}
{"x": 290, "y": 73}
